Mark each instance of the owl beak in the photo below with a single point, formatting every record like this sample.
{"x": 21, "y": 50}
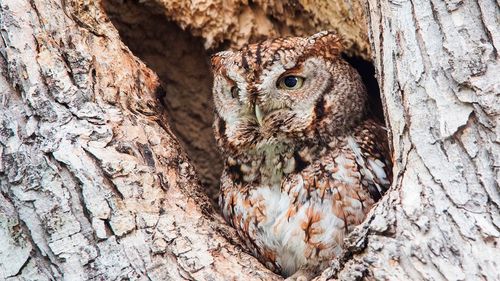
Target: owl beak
{"x": 258, "y": 114}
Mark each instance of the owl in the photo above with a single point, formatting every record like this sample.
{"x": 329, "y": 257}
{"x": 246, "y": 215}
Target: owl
{"x": 303, "y": 161}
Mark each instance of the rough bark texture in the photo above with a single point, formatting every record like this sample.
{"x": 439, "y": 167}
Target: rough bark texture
{"x": 94, "y": 185}
{"x": 437, "y": 65}
{"x": 238, "y": 22}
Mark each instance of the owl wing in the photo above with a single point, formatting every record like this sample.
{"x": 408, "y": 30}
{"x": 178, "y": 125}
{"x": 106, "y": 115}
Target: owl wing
{"x": 372, "y": 157}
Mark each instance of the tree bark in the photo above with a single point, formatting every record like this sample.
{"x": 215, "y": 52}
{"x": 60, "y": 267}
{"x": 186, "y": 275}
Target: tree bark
{"x": 437, "y": 66}
{"x": 95, "y": 186}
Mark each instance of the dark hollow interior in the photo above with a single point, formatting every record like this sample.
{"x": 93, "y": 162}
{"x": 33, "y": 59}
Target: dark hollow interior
{"x": 182, "y": 64}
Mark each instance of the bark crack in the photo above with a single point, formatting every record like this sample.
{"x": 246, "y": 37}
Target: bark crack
{"x": 20, "y": 269}
{"x": 106, "y": 177}
{"x": 488, "y": 32}
{"x": 43, "y": 260}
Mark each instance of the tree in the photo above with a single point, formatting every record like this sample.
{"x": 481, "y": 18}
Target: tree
{"x": 436, "y": 64}
{"x": 95, "y": 185}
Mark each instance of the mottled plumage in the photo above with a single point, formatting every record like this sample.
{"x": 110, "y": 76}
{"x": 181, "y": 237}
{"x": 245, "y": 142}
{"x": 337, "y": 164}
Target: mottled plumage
{"x": 303, "y": 162}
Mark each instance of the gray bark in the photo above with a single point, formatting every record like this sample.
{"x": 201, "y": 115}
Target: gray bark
{"x": 437, "y": 66}
{"x": 93, "y": 184}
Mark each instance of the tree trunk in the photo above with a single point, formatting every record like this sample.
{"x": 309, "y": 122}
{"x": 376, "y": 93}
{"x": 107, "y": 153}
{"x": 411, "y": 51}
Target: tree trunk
{"x": 94, "y": 184}
{"x": 437, "y": 66}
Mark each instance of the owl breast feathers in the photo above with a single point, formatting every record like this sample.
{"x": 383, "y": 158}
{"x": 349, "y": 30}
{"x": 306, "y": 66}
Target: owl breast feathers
{"x": 303, "y": 161}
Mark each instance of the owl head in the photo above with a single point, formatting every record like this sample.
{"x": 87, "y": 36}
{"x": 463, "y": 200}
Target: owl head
{"x": 285, "y": 91}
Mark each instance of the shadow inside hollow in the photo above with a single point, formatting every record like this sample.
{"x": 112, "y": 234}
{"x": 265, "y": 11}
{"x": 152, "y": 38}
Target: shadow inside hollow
{"x": 181, "y": 62}
{"x": 367, "y": 72}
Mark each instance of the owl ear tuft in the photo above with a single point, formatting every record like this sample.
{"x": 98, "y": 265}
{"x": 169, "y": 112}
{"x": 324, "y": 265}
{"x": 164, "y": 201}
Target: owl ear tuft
{"x": 217, "y": 61}
{"x": 326, "y": 43}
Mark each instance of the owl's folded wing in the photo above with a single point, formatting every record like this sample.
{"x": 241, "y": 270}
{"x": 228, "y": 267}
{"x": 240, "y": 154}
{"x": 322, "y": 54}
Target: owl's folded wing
{"x": 372, "y": 156}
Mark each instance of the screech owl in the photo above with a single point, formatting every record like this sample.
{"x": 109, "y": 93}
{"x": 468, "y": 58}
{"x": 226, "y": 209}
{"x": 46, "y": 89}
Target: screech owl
{"x": 303, "y": 162}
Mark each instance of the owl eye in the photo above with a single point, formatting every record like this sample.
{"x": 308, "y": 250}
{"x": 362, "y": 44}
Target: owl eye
{"x": 290, "y": 82}
{"x": 234, "y": 92}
